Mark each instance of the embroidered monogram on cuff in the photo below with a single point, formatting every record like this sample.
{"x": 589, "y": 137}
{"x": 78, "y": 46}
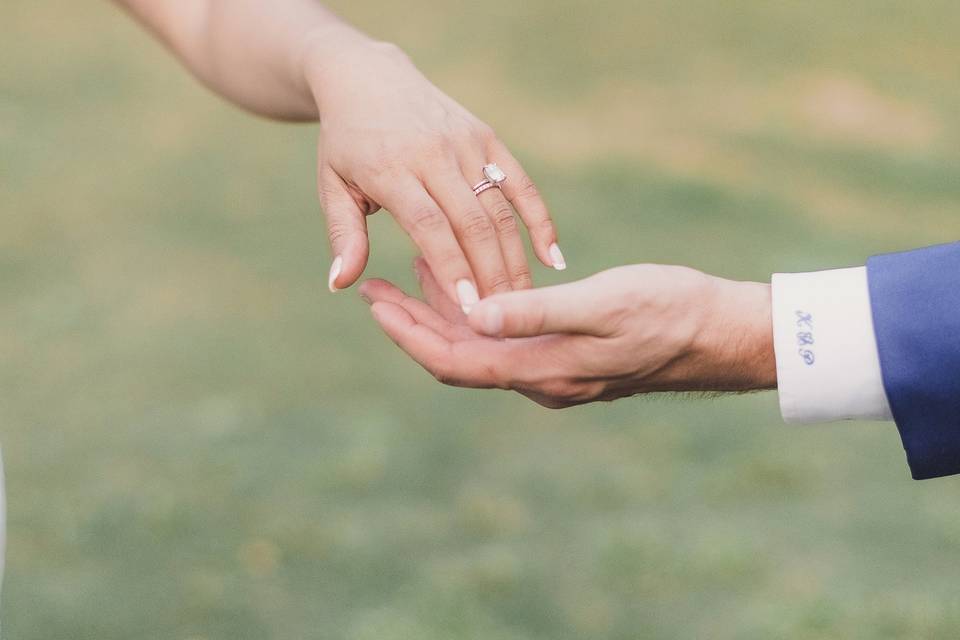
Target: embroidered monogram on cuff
{"x": 827, "y": 363}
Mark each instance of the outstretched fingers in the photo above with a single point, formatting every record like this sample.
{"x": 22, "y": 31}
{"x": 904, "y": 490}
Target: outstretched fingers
{"x": 427, "y": 224}
{"x": 460, "y": 364}
{"x": 377, "y": 290}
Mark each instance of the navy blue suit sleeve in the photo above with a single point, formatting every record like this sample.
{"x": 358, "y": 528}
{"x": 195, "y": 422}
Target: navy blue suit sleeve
{"x": 915, "y": 301}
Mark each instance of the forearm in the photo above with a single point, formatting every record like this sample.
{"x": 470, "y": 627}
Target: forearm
{"x": 252, "y": 52}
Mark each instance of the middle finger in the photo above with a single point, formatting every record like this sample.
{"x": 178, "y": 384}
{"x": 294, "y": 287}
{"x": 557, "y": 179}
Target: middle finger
{"x": 473, "y": 227}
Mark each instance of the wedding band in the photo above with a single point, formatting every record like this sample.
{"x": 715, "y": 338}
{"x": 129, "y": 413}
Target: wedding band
{"x": 483, "y": 186}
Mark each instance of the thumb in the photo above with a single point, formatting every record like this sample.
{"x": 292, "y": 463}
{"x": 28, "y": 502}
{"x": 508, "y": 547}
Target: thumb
{"x": 346, "y": 229}
{"x": 568, "y": 308}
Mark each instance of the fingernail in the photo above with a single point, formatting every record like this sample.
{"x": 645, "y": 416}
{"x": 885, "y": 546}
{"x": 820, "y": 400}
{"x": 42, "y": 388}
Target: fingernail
{"x": 365, "y": 298}
{"x": 492, "y": 320}
{"x": 556, "y": 256}
{"x": 334, "y": 273}
{"x": 467, "y": 294}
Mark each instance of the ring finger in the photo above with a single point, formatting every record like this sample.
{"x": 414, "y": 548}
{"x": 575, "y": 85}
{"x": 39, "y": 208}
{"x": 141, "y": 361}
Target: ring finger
{"x": 473, "y": 227}
{"x": 504, "y": 220}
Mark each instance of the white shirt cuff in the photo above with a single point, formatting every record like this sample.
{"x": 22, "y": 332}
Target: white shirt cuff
{"x": 828, "y": 367}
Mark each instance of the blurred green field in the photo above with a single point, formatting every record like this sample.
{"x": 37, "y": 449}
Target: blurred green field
{"x": 202, "y": 443}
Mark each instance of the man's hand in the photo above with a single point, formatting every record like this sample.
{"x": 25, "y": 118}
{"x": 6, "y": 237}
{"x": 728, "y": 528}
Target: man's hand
{"x": 629, "y": 330}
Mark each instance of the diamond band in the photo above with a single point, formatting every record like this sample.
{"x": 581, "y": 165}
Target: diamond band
{"x": 483, "y": 186}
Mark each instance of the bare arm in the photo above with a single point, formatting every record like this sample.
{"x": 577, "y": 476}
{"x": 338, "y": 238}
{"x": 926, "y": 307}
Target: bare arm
{"x": 388, "y": 136}
{"x": 253, "y": 52}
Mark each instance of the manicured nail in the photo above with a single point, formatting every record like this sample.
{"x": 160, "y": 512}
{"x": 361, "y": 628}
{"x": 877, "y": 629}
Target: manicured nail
{"x": 334, "y": 273}
{"x": 556, "y": 257}
{"x": 492, "y": 319}
{"x": 467, "y": 294}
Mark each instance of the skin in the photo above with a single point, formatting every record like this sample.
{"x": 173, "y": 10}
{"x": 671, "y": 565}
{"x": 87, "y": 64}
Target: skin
{"x": 630, "y": 330}
{"x": 389, "y": 138}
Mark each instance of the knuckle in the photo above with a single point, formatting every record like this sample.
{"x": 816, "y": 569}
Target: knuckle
{"x": 462, "y": 132}
{"x": 505, "y": 220}
{"x": 557, "y": 390}
{"x": 452, "y": 257}
{"x": 552, "y": 403}
{"x": 338, "y": 232}
{"x": 327, "y": 194}
{"x": 432, "y": 146}
{"x": 485, "y": 132}
{"x": 499, "y": 281}
{"x": 542, "y": 228}
{"x": 521, "y": 277}
{"x": 381, "y": 161}
{"x": 587, "y": 391}
{"x": 477, "y": 227}
{"x": 527, "y": 189}
{"x": 546, "y": 224}
{"x": 495, "y": 377}
{"x": 446, "y": 376}
{"x": 568, "y": 392}
{"x": 428, "y": 219}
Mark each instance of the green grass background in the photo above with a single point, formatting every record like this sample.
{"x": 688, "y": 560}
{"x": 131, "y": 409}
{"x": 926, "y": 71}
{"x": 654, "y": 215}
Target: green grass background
{"x": 202, "y": 443}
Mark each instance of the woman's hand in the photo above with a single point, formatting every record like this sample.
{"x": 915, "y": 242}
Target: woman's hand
{"x": 391, "y": 139}
{"x": 629, "y": 330}
{"x": 388, "y": 137}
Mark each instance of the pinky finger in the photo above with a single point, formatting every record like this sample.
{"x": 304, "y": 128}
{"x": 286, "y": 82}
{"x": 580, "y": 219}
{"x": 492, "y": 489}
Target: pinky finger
{"x": 523, "y": 194}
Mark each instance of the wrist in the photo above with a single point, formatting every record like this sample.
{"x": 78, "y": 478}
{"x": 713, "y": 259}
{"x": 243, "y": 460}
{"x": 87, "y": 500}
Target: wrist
{"x": 320, "y": 49}
{"x": 333, "y": 54}
{"x": 738, "y": 341}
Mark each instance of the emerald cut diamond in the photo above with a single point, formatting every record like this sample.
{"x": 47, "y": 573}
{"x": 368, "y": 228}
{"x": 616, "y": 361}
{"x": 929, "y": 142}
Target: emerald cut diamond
{"x": 494, "y": 173}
